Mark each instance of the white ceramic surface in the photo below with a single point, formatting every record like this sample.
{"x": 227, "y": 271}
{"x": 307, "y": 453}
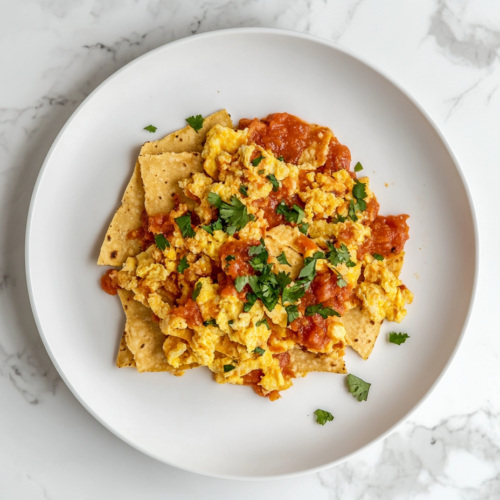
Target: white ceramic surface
{"x": 191, "y": 422}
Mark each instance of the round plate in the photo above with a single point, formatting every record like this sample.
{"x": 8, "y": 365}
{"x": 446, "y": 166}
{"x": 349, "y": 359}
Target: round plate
{"x": 191, "y": 422}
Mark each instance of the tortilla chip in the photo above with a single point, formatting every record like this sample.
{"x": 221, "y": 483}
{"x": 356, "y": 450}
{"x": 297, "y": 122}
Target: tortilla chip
{"x": 143, "y": 336}
{"x": 275, "y": 248}
{"x": 187, "y": 139}
{"x": 161, "y": 175}
{"x": 361, "y": 331}
{"x": 395, "y": 264}
{"x": 117, "y": 246}
{"x": 125, "y": 357}
{"x": 303, "y": 362}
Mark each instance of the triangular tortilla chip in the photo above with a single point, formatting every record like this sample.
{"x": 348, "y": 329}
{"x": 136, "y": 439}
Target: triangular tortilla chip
{"x": 361, "y": 331}
{"x": 161, "y": 175}
{"x": 303, "y": 362}
{"x": 125, "y": 357}
{"x": 395, "y": 264}
{"x": 116, "y": 246}
{"x": 275, "y": 247}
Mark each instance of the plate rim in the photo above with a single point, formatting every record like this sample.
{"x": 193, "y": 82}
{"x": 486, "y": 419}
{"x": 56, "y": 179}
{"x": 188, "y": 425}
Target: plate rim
{"x": 386, "y": 76}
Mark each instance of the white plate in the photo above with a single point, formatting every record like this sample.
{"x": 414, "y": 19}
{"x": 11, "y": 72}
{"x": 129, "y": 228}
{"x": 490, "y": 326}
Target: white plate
{"x": 191, "y": 422}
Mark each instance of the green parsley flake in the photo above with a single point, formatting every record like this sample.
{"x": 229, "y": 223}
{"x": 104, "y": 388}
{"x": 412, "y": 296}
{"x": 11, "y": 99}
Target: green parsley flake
{"x": 294, "y": 214}
{"x": 339, "y": 255}
{"x": 263, "y": 322}
{"x": 260, "y": 172}
{"x": 196, "y": 122}
{"x": 358, "y": 167}
{"x": 280, "y": 158}
{"x": 243, "y": 191}
{"x": 214, "y": 199}
{"x": 228, "y": 368}
{"x": 359, "y": 190}
{"x": 151, "y": 128}
{"x": 293, "y": 293}
{"x": 352, "y": 211}
{"x": 303, "y": 228}
{"x": 292, "y": 313}
{"x": 281, "y": 258}
{"x": 240, "y": 282}
{"x": 378, "y": 256}
{"x": 210, "y": 322}
{"x": 398, "y": 338}
{"x": 322, "y": 417}
{"x": 309, "y": 270}
{"x": 213, "y": 226}
{"x": 235, "y": 215}
{"x": 338, "y": 219}
{"x": 183, "y": 265}
{"x": 251, "y": 299}
{"x": 272, "y": 179}
{"x": 259, "y": 351}
{"x": 184, "y": 223}
{"x": 161, "y": 242}
{"x": 324, "y": 312}
{"x": 256, "y": 161}
{"x": 357, "y": 387}
{"x": 196, "y": 291}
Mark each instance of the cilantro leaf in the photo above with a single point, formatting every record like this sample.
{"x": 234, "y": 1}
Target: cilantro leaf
{"x": 292, "y": 313}
{"x": 358, "y": 167}
{"x": 260, "y": 253}
{"x": 228, "y": 368}
{"x": 184, "y": 223}
{"x": 303, "y": 228}
{"x": 251, "y": 299}
{"x": 229, "y": 258}
{"x": 293, "y": 293}
{"x": 256, "y": 161}
{"x": 341, "y": 282}
{"x": 196, "y": 291}
{"x": 323, "y": 416}
{"x": 324, "y": 312}
{"x": 283, "y": 279}
{"x": 263, "y": 322}
{"x": 210, "y": 322}
{"x": 352, "y": 211}
{"x": 281, "y": 258}
{"x": 266, "y": 288}
{"x": 260, "y": 172}
{"x": 240, "y": 282}
{"x": 338, "y": 219}
{"x": 243, "y": 191}
{"x": 280, "y": 158}
{"x": 161, "y": 242}
{"x": 272, "y": 179}
{"x": 213, "y": 226}
{"x": 357, "y": 387}
{"x": 196, "y": 122}
{"x": 214, "y": 199}
{"x": 398, "y": 338}
{"x": 339, "y": 255}
{"x": 378, "y": 256}
{"x": 294, "y": 214}
{"x": 359, "y": 190}
{"x": 259, "y": 350}
{"x": 309, "y": 270}
{"x": 183, "y": 265}
{"x": 151, "y": 128}
{"x": 235, "y": 214}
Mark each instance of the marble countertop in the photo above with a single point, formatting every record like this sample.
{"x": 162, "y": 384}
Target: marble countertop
{"x": 53, "y": 53}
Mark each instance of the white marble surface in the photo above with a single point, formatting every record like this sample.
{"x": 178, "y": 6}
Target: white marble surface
{"x": 53, "y": 53}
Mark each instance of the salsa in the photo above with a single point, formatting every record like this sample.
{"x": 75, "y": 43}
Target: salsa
{"x": 238, "y": 266}
{"x": 190, "y": 312}
{"x": 107, "y": 283}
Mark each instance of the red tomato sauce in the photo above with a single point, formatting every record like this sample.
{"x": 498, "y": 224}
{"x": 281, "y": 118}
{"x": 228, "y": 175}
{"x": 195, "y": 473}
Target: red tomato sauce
{"x": 190, "y": 312}
{"x": 107, "y": 283}
{"x": 239, "y": 250}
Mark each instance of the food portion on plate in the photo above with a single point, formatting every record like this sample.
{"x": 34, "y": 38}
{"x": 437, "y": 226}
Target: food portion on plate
{"x": 254, "y": 251}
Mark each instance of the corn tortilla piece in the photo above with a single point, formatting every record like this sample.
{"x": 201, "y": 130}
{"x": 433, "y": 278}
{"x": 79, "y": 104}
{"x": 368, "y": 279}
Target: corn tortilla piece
{"x": 116, "y": 246}
{"x": 276, "y": 247}
{"x": 125, "y": 358}
{"x": 143, "y": 336}
{"x": 361, "y": 331}
{"x": 187, "y": 139}
{"x": 303, "y": 362}
{"x": 395, "y": 264}
{"x": 161, "y": 175}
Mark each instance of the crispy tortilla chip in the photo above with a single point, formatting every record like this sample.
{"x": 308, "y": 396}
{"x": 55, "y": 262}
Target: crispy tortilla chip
{"x": 361, "y": 331}
{"x": 303, "y": 362}
{"x": 275, "y": 248}
{"x": 187, "y": 139}
{"x": 125, "y": 357}
{"x": 143, "y": 336}
{"x": 161, "y": 175}
{"x": 395, "y": 264}
{"x": 117, "y": 246}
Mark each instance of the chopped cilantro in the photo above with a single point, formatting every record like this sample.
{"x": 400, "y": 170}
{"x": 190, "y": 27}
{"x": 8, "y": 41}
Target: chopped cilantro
{"x": 161, "y": 242}
{"x": 196, "y": 122}
{"x": 303, "y": 228}
{"x": 259, "y": 350}
{"x": 378, "y": 256}
{"x": 183, "y": 265}
{"x": 283, "y": 280}
{"x": 240, "y": 282}
{"x": 281, "y": 258}
{"x": 260, "y": 172}
{"x": 260, "y": 256}
{"x": 352, "y": 211}
{"x": 256, "y": 161}
{"x": 266, "y": 287}
{"x": 398, "y": 338}
{"x": 358, "y": 167}
{"x": 359, "y": 190}
{"x": 309, "y": 270}
{"x": 324, "y": 312}
{"x": 341, "y": 282}
{"x": 293, "y": 293}
{"x": 151, "y": 128}
{"x": 263, "y": 322}
{"x": 339, "y": 255}
{"x": 251, "y": 299}
{"x": 230, "y": 322}
{"x": 228, "y": 368}
{"x": 323, "y": 416}
{"x": 210, "y": 322}
{"x": 338, "y": 219}
{"x": 214, "y": 199}
{"x": 357, "y": 387}
{"x": 292, "y": 313}
{"x": 294, "y": 214}
{"x": 196, "y": 291}
{"x": 229, "y": 258}
{"x": 272, "y": 179}
{"x": 235, "y": 215}
{"x": 184, "y": 223}
{"x": 213, "y": 226}
{"x": 280, "y": 158}
{"x": 243, "y": 191}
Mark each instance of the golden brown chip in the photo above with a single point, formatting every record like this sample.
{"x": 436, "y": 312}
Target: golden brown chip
{"x": 303, "y": 362}
{"x": 187, "y": 139}
{"x": 125, "y": 357}
{"x": 361, "y": 331}
{"x": 161, "y": 175}
{"x": 275, "y": 248}
{"x": 395, "y": 264}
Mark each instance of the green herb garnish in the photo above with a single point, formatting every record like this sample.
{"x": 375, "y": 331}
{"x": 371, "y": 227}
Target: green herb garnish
{"x": 338, "y": 219}
{"x": 339, "y": 255}
{"x": 292, "y": 313}
{"x": 263, "y": 322}
{"x": 303, "y": 228}
{"x": 214, "y": 199}
{"x": 240, "y": 282}
{"x": 341, "y": 282}
{"x": 228, "y": 368}
{"x": 322, "y": 417}
{"x": 196, "y": 122}
{"x": 243, "y": 191}
{"x": 256, "y": 161}
{"x": 235, "y": 215}
{"x": 281, "y": 258}
{"x": 151, "y": 128}
{"x": 260, "y": 172}
{"x": 293, "y": 293}
{"x": 184, "y": 223}
{"x": 398, "y": 338}
{"x": 259, "y": 351}
{"x": 251, "y": 299}
{"x": 308, "y": 272}
{"x": 357, "y": 387}
{"x": 161, "y": 242}
{"x": 294, "y": 214}
{"x": 378, "y": 256}
{"x": 272, "y": 179}
{"x": 358, "y": 167}
{"x": 183, "y": 265}
{"x": 280, "y": 158}
{"x": 324, "y": 312}
{"x": 196, "y": 291}
{"x": 210, "y": 322}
